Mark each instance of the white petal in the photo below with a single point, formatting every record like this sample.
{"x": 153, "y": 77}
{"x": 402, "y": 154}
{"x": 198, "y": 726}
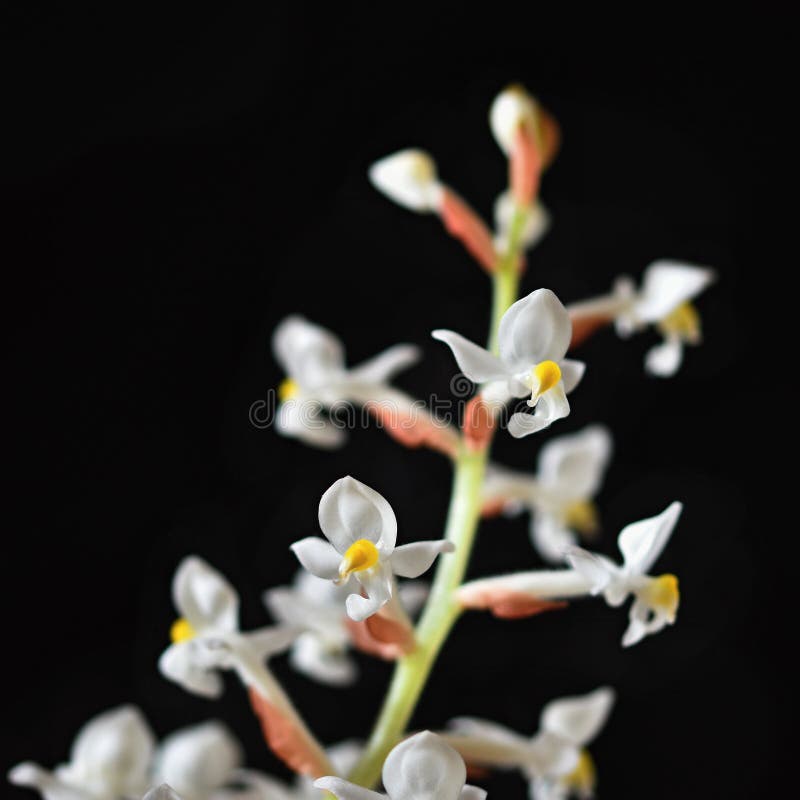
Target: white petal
{"x": 196, "y": 761}
{"x": 663, "y": 360}
{"x": 477, "y": 364}
{"x": 535, "y": 328}
{"x": 550, "y": 537}
{"x": 312, "y": 656}
{"x": 551, "y": 755}
{"x": 637, "y": 624}
{"x": 666, "y": 285}
{"x": 547, "y": 789}
{"x": 45, "y": 782}
{"x": 267, "y": 642}
{"x": 486, "y": 729}
{"x": 423, "y": 767}
{"x": 303, "y": 419}
{"x": 592, "y": 567}
{"x": 572, "y": 466}
{"x": 578, "y": 719}
{"x": 180, "y": 664}
{"x": 641, "y": 543}
{"x": 162, "y": 792}
{"x": 412, "y": 595}
{"x": 537, "y": 222}
{"x": 522, "y": 424}
{"x": 553, "y": 405}
{"x": 310, "y": 354}
{"x": 571, "y": 373}
{"x": 345, "y": 790}
{"x": 349, "y": 510}
{"x": 204, "y": 597}
{"x": 506, "y": 484}
{"x": 377, "y": 584}
{"x": 318, "y": 557}
{"x": 380, "y": 368}
{"x": 510, "y": 109}
{"x": 411, "y": 560}
{"x": 472, "y": 793}
{"x": 409, "y": 178}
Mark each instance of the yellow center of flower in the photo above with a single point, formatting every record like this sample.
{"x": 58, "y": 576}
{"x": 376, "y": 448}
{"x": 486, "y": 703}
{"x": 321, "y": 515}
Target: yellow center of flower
{"x": 662, "y": 594}
{"x": 582, "y": 517}
{"x": 361, "y": 555}
{"x": 546, "y": 375}
{"x": 181, "y": 630}
{"x": 583, "y": 778}
{"x": 287, "y": 390}
{"x": 684, "y": 321}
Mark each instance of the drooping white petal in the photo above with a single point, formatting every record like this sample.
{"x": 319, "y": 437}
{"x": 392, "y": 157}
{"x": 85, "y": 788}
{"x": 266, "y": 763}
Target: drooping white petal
{"x": 313, "y": 656}
{"x": 423, "y": 767}
{"x": 310, "y": 354}
{"x": 50, "y": 786}
{"x": 641, "y": 543}
{"x": 380, "y": 368}
{"x": 302, "y": 418}
{"x": 595, "y": 569}
{"x": 409, "y": 178}
{"x": 196, "y": 761}
{"x": 578, "y": 719}
{"x": 663, "y": 360}
{"x": 345, "y": 790}
{"x": 204, "y": 597}
{"x": 571, "y": 373}
{"x": 377, "y": 584}
{"x": 184, "y": 664}
{"x": 475, "y": 362}
{"x": 552, "y": 405}
{"x": 550, "y": 537}
{"x": 572, "y": 466}
{"x": 319, "y": 557}
{"x": 537, "y": 222}
{"x": 412, "y": 560}
{"x": 510, "y": 109}
{"x": 534, "y": 329}
{"x": 349, "y": 510}
{"x": 667, "y": 284}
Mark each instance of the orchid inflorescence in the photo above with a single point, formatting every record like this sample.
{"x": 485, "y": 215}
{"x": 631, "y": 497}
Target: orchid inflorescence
{"x": 358, "y": 589}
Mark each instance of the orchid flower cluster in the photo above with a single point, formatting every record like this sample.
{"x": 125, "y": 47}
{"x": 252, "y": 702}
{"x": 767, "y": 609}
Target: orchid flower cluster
{"x": 358, "y": 587}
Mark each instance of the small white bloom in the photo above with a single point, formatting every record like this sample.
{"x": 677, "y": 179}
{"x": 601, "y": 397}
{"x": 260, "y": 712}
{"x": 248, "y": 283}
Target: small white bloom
{"x": 560, "y": 495}
{"x": 555, "y": 760}
{"x": 110, "y": 758}
{"x": 534, "y": 337}
{"x": 512, "y": 108}
{"x": 656, "y": 599}
{"x": 361, "y": 529}
{"x": 206, "y": 637}
{"x": 408, "y": 177}
{"x": 537, "y": 222}
{"x": 423, "y": 767}
{"x": 317, "y": 379}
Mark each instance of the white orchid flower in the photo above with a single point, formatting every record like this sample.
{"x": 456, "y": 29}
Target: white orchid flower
{"x": 555, "y": 760}
{"x": 317, "y": 379}
{"x": 423, "y": 767}
{"x": 206, "y": 637}
{"x": 560, "y": 495}
{"x": 361, "y": 529}
{"x": 533, "y": 338}
{"x": 409, "y": 178}
{"x": 656, "y": 599}
{"x": 110, "y": 758}
{"x": 664, "y": 301}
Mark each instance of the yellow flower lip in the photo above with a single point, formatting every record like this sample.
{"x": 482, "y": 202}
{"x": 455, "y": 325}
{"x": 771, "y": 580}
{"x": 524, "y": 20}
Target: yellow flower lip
{"x": 582, "y": 516}
{"x": 583, "y": 778}
{"x": 181, "y": 631}
{"x": 361, "y": 555}
{"x": 684, "y": 322}
{"x": 662, "y": 594}
{"x": 544, "y": 376}
{"x": 288, "y": 389}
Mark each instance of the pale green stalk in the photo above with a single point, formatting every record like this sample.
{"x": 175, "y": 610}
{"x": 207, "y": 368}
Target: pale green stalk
{"x": 441, "y": 610}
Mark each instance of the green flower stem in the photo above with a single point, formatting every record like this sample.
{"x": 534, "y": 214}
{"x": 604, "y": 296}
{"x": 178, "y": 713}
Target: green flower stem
{"x": 441, "y": 610}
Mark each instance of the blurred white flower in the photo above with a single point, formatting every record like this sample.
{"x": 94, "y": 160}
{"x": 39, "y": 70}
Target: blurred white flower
{"x": 555, "y": 760}
{"x": 409, "y": 178}
{"x": 560, "y": 495}
{"x": 422, "y": 767}
{"x": 110, "y": 758}
{"x": 656, "y": 599}
{"x": 206, "y": 637}
{"x": 536, "y": 222}
{"x": 317, "y": 379}
{"x": 533, "y": 338}
{"x": 361, "y": 529}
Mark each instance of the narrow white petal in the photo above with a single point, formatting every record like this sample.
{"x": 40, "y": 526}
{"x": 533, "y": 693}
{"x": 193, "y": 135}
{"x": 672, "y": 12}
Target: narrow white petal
{"x": 423, "y": 767}
{"x": 412, "y": 560}
{"x": 179, "y": 664}
{"x": 349, "y": 510}
{"x": 318, "y": 557}
{"x": 571, "y": 373}
{"x": 475, "y": 362}
{"x": 663, "y": 360}
{"x": 345, "y": 790}
{"x": 267, "y": 642}
{"x": 667, "y": 284}
{"x": 380, "y": 368}
{"x": 477, "y": 728}
{"x": 592, "y": 567}
{"x": 204, "y": 597}
{"x": 409, "y": 178}
{"x": 641, "y": 543}
{"x": 522, "y": 424}
{"x": 550, "y": 537}
{"x": 578, "y": 719}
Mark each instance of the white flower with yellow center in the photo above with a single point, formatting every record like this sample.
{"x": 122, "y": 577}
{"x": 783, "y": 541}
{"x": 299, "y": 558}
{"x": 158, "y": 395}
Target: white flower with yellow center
{"x": 560, "y": 495}
{"x": 110, "y": 758}
{"x": 555, "y": 760}
{"x": 317, "y": 379}
{"x": 206, "y": 636}
{"x": 361, "y": 529}
{"x": 422, "y": 767}
{"x": 533, "y": 338}
{"x": 656, "y": 599}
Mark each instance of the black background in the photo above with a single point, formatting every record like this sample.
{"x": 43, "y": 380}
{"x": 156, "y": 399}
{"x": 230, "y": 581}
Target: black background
{"x": 179, "y": 185}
